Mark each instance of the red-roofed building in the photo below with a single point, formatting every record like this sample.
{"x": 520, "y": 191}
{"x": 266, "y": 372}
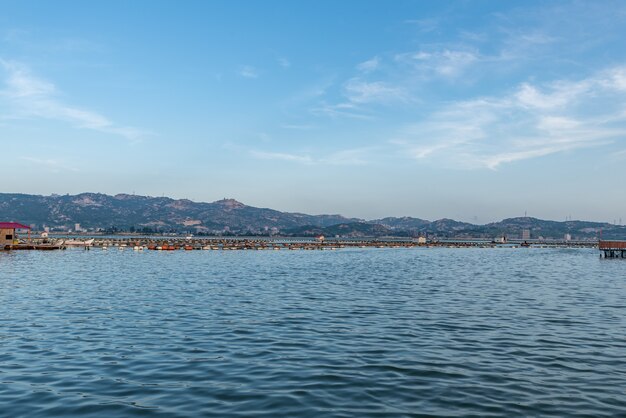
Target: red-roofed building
{"x": 7, "y": 232}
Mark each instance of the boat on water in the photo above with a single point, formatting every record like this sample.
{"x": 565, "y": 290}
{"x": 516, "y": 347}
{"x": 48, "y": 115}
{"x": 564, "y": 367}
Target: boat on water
{"x": 47, "y": 247}
{"x": 78, "y": 242}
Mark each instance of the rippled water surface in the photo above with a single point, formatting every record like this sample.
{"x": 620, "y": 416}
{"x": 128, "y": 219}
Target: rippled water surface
{"x": 354, "y": 333}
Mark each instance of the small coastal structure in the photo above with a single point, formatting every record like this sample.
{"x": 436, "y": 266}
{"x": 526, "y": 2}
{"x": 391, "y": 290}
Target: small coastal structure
{"x": 8, "y": 235}
{"x": 613, "y": 249}
{"x": 500, "y": 240}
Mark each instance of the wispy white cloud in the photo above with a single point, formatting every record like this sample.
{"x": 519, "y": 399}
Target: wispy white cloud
{"x": 519, "y": 117}
{"x": 50, "y": 164}
{"x": 359, "y": 95}
{"x": 399, "y": 84}
{"x": 280, "y": 156}
{"x": 29, "y": 96}
{"x": 473, "y": 36}
{"x": 308, "y": 95}
{"x": 445, "y": 63}
{"x": 341, "y": 110}
{"x": 248, "y": 71}
{"x": 556, "y": 97}
{"x": 616, "y": 78}
{"x": 300, "y": 127}
{"x": 284, "y": 62}
{"x": 506, "y": 43}
{"x": 531, "y": 121}
{"x": 369, "y": 65}
{"x": 359, "y": 91}
{"x": 356, "y": 156}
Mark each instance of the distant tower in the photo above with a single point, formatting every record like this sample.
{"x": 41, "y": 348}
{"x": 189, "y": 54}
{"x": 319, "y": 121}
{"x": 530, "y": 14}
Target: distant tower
{"x": 526, "y": 234}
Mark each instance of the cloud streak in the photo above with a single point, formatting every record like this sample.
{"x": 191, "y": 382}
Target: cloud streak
{"x": 247, "y": 71}
{"x": 531, "y": 121}
{"x": 280, "y": 156}
{"x": 429, "y": 95}
{"x": 350, "y": 157}
{"x": 369, "y": 65}
{"x": 359, "y": 95}
{"x": 448, "y": 63}
{"x": 54, "y": 166}
{"x": 31, "y": 97}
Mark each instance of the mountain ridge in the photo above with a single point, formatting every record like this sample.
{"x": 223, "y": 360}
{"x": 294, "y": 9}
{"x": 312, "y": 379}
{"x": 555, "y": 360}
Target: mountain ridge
{"x": 137, "y": 213}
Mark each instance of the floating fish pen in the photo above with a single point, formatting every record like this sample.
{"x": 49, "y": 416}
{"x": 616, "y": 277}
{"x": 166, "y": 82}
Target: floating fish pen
{"x": 612, "y": 249}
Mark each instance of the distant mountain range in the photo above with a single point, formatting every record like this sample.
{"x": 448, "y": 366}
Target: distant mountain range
{"x": 126, "y": 212}
{"x": 144, "y": 214}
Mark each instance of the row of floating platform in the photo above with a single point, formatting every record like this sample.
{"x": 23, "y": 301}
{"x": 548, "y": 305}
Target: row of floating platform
{"x": 228, "y": 245}
{"x": 187, "y": 244}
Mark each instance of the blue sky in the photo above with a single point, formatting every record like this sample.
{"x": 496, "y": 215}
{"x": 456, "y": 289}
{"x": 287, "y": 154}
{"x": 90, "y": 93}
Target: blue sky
{"x": 473, "y": 110}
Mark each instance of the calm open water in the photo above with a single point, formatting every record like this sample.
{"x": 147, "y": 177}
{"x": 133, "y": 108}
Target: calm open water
{"x": 349, "y": 333}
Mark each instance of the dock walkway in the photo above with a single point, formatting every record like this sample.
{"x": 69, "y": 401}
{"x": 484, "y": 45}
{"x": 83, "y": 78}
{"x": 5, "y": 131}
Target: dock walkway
{"x": 612, "y": 249}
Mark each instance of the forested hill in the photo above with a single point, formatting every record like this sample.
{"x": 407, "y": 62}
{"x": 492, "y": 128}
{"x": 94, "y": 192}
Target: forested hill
{"x": 123, "y": 212}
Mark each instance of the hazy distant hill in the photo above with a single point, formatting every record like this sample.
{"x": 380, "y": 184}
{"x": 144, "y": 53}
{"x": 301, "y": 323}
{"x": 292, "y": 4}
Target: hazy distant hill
{"x": 448, "y": 228}
{"x": 161, "y": 214}
{"x": 405, "y": 223}
{"x": 122, "y": 211}
{"x": 513, "y": 227}
{"x": 352, "y": 230}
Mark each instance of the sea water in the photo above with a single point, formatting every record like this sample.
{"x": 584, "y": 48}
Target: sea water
{"x": 347, "y": 333}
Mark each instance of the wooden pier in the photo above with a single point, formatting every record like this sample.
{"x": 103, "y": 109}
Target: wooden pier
{"x": 612, "y": 249}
